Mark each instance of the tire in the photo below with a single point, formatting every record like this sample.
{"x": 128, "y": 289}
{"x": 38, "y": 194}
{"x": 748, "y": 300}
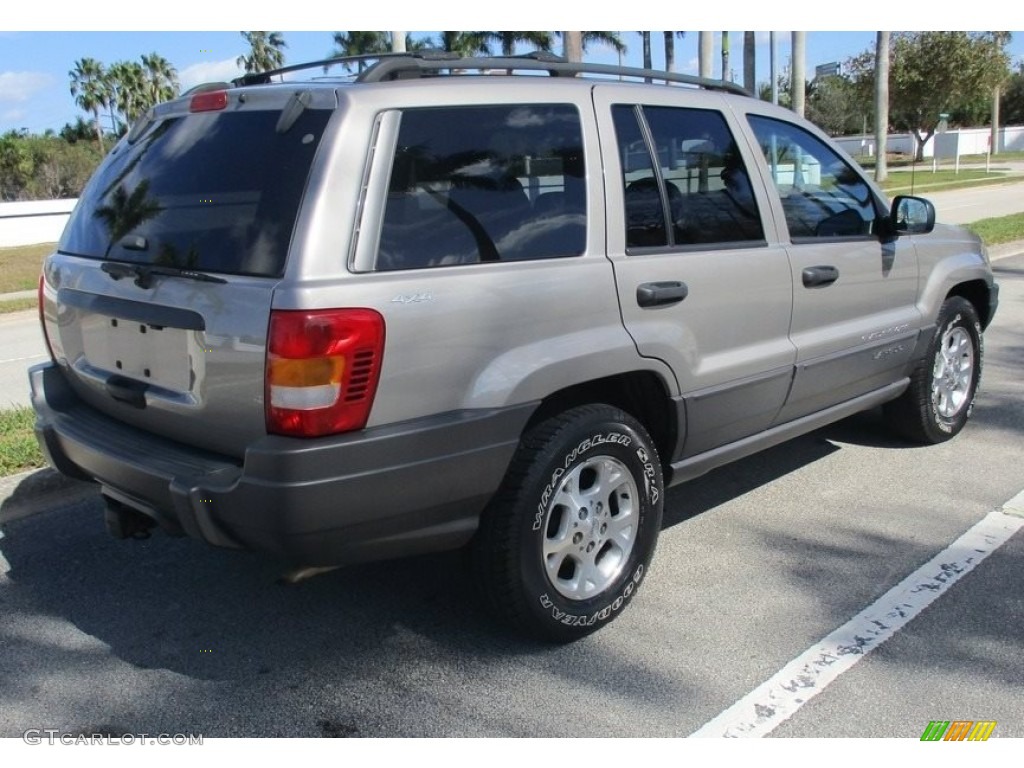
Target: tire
{"x": 940, "y": 398}
{"x": 565, "y": 543}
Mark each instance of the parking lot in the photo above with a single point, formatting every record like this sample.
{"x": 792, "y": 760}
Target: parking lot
{"x": 757, "y": 562}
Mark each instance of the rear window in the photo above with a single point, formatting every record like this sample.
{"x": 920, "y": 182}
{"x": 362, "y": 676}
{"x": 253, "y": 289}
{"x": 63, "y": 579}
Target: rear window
{"x": 215, "y": 191}
{"x": 485, "y": 183}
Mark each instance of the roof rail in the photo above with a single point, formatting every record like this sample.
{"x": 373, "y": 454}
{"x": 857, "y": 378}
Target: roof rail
{"x": 262, "y": 78}
{"x": 394, "y": 66}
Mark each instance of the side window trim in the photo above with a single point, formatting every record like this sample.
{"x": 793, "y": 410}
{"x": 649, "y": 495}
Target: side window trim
{"x": 659, "y": 178}
{"x": 373, "y": 192}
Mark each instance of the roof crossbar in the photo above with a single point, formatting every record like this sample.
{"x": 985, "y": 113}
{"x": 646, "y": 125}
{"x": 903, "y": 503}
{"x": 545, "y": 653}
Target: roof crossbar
{"x": 394, "y": 66}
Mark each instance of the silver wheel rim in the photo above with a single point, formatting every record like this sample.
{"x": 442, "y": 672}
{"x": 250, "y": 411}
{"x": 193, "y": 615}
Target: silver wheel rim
{"x": 953, "y": 373}
{"x": 590, "y": 527}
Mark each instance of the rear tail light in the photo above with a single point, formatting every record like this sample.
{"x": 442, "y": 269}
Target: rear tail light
{"x": 322, "y": 370}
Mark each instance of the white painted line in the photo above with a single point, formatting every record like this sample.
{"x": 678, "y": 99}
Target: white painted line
{"x": 1015, "y": 506}
{"x": 778, "y": 699}
{"x": 19, "y": 359}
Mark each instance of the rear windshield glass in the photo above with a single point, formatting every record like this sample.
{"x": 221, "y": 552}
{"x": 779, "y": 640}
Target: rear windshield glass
{"x": 213, "y": 191}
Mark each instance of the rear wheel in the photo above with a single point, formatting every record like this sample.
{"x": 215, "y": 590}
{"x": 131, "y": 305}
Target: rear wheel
{"x": 940, "y": 397}
{"x": 564, "y": 545}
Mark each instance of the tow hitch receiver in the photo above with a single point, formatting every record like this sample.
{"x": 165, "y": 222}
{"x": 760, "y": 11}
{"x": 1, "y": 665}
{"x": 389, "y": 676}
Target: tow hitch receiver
{"x": 123, "y": 522}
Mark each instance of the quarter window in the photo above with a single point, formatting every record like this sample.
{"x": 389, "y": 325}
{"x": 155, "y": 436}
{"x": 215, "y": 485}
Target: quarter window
{"x": 822, "y": 196}
{"x": 488, "y": 183}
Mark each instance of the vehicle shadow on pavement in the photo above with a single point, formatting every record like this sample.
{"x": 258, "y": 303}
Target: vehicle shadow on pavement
{"x": 369, "y": 649}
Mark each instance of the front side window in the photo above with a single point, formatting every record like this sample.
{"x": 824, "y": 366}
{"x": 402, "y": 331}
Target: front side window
{"x": 698, "y": 185}
{"x": 485, "y": 183}
{"x": 822, "y": 196}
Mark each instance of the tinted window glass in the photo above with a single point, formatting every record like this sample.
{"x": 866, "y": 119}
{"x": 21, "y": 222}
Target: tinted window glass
{"x": 821, "y": 195}
{"x": 490, "y": 183}
{"x": 213, "y": 191}
{"x": 703, "y": 181}
{"x": 708, "y": 187}
{"x": 645, "y": 212}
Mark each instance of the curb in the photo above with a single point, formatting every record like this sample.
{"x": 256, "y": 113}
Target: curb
{"x": 38, "y": 490}
{"x": 1005, "y": 250}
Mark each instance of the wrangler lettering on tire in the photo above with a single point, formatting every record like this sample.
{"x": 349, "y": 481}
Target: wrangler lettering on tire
{"x": 566, "y": 541}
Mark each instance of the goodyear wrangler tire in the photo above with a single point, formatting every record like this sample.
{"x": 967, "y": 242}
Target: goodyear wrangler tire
{"x": 940, "y": 397}
{"x": 567, "y": 540}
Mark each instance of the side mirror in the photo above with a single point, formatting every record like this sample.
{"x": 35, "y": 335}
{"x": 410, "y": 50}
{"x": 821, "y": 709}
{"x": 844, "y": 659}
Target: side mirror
{"x": 911, "y": 215}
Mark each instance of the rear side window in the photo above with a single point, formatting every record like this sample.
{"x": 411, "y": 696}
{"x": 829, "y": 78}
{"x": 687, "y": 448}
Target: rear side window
{"x": 821, "y": 195}
{"x": 684, "y": 180}
{"x": 488, "y": 183}
{"x": 213, "y": 191}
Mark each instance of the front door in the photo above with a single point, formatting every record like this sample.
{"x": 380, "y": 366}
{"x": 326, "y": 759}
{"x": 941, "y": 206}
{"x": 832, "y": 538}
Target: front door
{"x": 855, "y": 322}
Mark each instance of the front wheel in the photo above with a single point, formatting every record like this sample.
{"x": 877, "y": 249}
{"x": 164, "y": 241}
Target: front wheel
{"x": 940, "y": 397}
{"x": 567, "y": 540}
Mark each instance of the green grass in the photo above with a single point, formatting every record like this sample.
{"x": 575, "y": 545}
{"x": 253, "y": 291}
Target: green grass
{"x": 20, "y": 266}
{"x": 925, "y": 180}
{"x": 17, "y": 305}
{"x": 1001, "y": 229}
{"x": 19, "y": 450}
{"x": 1002, "y": 157}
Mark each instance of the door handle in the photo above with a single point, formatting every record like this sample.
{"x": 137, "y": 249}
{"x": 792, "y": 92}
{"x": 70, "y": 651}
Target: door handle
{"x": 816, "y": 277}
{"x": 661, "y": 294}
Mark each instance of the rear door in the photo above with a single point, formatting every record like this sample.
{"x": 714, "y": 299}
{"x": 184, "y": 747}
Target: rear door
{"x": 157, "y": 301}
{"x": 702, "y": 285}
{"x": 854, "y": 315}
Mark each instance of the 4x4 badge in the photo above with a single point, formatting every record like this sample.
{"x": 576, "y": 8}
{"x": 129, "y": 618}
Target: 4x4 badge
{"x": 411, "y": 298}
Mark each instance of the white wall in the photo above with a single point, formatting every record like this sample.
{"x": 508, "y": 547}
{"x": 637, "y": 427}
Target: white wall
{"x": 897, "y": 142}
{"x": 36, "y": 221}
{"x": 969, "y": 141}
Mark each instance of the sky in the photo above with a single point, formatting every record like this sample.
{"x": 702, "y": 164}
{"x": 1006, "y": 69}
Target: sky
{"x": 34, "y": 64}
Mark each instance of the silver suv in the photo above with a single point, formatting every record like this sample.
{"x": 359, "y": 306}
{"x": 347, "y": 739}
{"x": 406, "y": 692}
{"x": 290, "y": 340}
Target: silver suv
{"x": 428, "y": 308}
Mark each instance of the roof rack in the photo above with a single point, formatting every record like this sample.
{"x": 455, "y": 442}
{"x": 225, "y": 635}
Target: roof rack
{"x": 426, "y": 63}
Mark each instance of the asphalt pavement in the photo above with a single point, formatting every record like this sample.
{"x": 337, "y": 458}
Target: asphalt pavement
{"x": 757, "y": 562}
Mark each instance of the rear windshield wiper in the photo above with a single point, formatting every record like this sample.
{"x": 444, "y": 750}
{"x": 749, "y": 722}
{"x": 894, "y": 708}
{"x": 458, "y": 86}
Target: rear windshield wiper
{"x": 144, "y": 273}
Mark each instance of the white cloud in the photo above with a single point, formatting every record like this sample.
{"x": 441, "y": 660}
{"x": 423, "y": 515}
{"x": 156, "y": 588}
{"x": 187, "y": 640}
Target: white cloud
{"x": 20, "y": 86}
{"x": 208, "y": 72}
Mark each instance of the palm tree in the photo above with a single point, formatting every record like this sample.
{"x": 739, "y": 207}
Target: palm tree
{"x": 612, "y": 39}
{"x": 161, "y": 79}
{"x": 264, "y": 51}
{"x": 123, "y": 212}
{"x": 670, "y": 49}
{"x": 465, "y": 43}
{"x": 89, "y": 87}
{"x": 725, "y": 56}
{"x": 881, "y": 105}
{"x": 127, "y": 83}
{"x": 575, "y": 43}
{"x": 749, "y": 65}
{"x": 541, "y": 41}
{"x": 798, "y": 88}
{"x": 705, "y": 46}
{"x": 645, "y": 38}
{"x": 361, "y": 44}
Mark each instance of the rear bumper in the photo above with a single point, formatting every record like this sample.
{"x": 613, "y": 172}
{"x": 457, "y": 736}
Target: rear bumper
{"x": 379, "y": 493}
